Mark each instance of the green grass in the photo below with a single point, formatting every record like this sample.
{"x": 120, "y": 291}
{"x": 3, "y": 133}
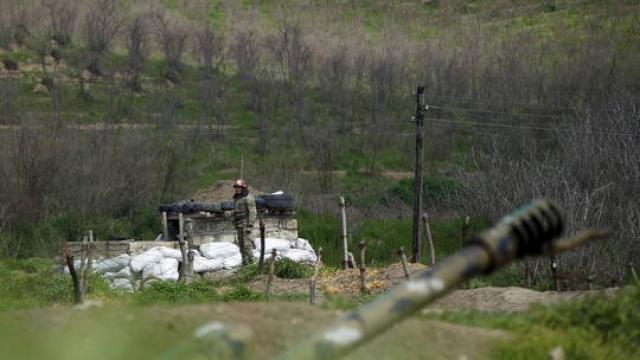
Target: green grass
{"x": 591, "y": 328}
{"x": 37, "y": 282}
{"x": 289, "y": 269}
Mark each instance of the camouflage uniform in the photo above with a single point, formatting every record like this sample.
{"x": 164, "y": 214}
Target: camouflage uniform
{"x": 244, "y": 217}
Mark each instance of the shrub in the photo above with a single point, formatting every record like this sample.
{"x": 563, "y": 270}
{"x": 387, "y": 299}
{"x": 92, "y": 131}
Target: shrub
{"x": 289, "y": 269}
{"x": 164, "y": 292}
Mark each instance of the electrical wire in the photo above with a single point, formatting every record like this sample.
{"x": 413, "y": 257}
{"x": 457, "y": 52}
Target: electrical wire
{"x": 528, "y": 127}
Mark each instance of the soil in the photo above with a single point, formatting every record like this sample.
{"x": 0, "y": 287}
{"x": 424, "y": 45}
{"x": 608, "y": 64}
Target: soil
{"x": 379, "y": 280}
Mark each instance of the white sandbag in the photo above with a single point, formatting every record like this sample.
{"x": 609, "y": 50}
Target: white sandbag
{"x": 232, "y": 262}
{"x": 273, "y": 243}
{"x": 141, "y": 261}
{"x": 165, "y": 269}
{"x": 267, "y": 255}
{"x": 112, "y": 265}
{"x": 203, "y": 264}
{"x": 124, "y": 273}
{"x": 219, "y": 250}
{"x": 122, "y": 284}
{"x": 170, "y": 253}
{"x": 302, "y": 244}
{"x": 300, "y": 256}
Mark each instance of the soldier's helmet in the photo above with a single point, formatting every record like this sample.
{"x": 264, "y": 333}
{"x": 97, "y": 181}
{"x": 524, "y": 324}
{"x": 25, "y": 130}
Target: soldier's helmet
{"x": 240, "y": 183}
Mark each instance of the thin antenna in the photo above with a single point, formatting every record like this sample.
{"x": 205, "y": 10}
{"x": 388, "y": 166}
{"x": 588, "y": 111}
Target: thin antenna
{"x": 242, "y": 166}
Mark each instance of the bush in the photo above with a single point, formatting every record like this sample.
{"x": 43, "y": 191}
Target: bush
{"x": 289, "y": 269}
{"x": 164, "y": 292}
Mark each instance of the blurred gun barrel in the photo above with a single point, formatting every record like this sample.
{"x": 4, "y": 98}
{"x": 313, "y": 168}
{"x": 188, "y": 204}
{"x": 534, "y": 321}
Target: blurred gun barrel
{"x": 529, "y": 230}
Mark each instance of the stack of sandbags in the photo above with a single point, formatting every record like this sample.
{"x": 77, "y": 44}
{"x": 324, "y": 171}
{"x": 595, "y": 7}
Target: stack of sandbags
{"x": 227, "y": 254}
{"x": 125, "y": 272}
{"x": 298, "y": 250}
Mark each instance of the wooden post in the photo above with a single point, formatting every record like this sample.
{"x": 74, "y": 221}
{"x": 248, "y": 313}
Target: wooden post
{"x": 554, "y": 273}
{"x": 590, "y": 279}
{"x": 362, "y": 247}
{"x": 189, "y": 266}
{"x": 464, "y": 230}
{"x": 633, "y": 272}
{"x": 403, "y": 259}
{"x": 165, "y": 227}
{"x": 83, "y": 259}
{"x": 272, "y": 267}
{"x": 86, "y": 269}
{"x": 427, "y": 227}
{"x": 312, "y": 281}
{"x": 77, "y": 294}
{"x": 345, "y": 247}
{"x": 417, "y": 181}
{"x": 183, "y": 249}
{"x": 262, "y": 243}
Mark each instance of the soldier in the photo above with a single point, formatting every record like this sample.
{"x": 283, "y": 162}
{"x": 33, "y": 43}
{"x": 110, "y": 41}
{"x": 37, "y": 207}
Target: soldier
{"x": 245, "y": 216}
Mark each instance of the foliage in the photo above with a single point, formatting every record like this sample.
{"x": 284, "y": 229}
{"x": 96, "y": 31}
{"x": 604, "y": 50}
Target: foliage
{"x": 289, "y": 269}
{"x": 591, "y": 328}
{"x": 165, "y": 292}
{"x": 37, "y": 282}
{"x": 435, "y": 190}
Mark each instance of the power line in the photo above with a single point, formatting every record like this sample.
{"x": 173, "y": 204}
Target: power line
{"x": 487, "y": 111}
{"x": 473, "y": 101}
{"x": 529, "y": 127}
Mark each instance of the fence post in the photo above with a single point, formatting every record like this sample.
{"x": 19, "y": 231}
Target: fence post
{"x": 262, "y": 243}
{"x": 272, "y": 266}
{"x": 312, "y": 281}
{"x": 183, "y": 249}
{"x": 362, "y": 247}
{"x": 590, "y": 279}
{"x": 345, "y": 248}
{"x": 633, "y": 272}
{"x": 403, "y": 259}
{"x": 77, "y": 294}
{"x": 554, "y": 273}
{"x": 427, "y": 227}
{"x": 165, "y": 227}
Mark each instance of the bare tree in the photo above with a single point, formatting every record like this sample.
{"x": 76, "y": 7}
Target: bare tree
{"x": 40, "y": 43}
{"x": 173, "y": 41}
{"x": 245, "y": 52}
{"x": 210, "y": 48}
{"x": 102, "y": 24}
{"x": 137, "y": 51}
{"x": 62, "y": 15}
{"x": 8, "y": 97}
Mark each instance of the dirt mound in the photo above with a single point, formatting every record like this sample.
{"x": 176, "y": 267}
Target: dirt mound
{"x": 504, "y": 299}
{"x": 378, "y": 280}
{"x": 220, "y": 191}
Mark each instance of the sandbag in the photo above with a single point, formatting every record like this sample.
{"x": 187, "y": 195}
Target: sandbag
{"x": 273, "y": 243}
{"x": 300, "y": 256}
{"x": 122, "y": 284}
{"x": 124, "y": 273}
{"x": 232, "y": 262}
{"x": 302, "y": 244}
{"x": 203, "y": 264}
{"x": 166, "y": 269}
{"x": 143, "y": 260}
{"x": 219, "y": 250}
{"x": 112, "y": 265}
{"x": 170, "y": 253}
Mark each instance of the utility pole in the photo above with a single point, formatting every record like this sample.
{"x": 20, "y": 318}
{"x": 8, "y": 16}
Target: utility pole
{"x": 417, "y": 186}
